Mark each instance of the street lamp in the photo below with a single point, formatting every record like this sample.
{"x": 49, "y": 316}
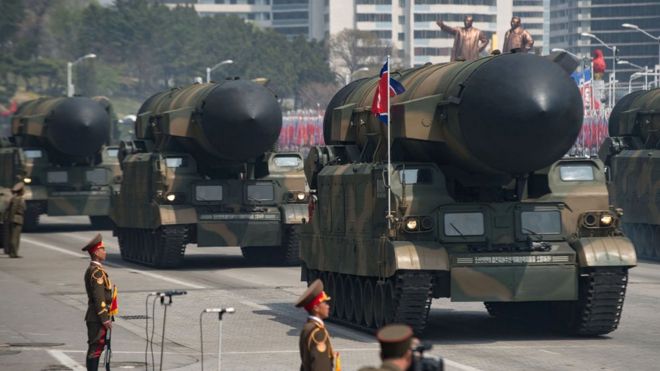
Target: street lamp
{"x": 656, "y": 38}
{"x": 631, "y": 64}
{"x": 209, "y": 69}
{"x": 636, "y": 74}
{"x": 70, "y": 89}
{"x": 352, "y": 74}
{"x": 613, "y": 75}
{"x": 554, "y": 50}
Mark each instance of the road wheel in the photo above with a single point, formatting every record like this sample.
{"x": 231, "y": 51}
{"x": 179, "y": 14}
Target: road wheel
{"x": 368, "y": 302}
{"x": 340, "y": 303}
{"x": 31, "y": 216}
{"x": 378, "y": 305}
{"x": 358, "y": 300}
{"x": 330, "y": 284}
{"x": 348, "y": 297}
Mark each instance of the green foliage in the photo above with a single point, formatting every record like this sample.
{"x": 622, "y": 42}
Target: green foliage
{"x": 143, "y": 47}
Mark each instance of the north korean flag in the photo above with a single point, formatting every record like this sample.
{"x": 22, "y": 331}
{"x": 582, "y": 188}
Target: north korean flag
{"x": 385, "y": 84}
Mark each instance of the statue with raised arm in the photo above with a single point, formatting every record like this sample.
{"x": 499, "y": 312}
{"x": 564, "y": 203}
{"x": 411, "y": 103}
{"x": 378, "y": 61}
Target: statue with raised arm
{"x": 517, "y": 39}
{"x": 468, "y": 41}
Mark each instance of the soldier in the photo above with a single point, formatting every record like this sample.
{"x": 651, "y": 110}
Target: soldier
{"x": 517, "y": 39}
{"x": 14, "y": 219}
{"x": 316, "y": 351}
{"x": 395, "y": 348}
{"x": 468, "y": 41}
{"x": 100, "y": 301}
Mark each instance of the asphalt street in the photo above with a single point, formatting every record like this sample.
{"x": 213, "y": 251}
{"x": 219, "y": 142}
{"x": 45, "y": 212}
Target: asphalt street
{"x": 43, "y": 301}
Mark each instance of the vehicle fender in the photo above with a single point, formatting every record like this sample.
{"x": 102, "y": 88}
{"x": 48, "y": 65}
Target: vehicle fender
{"x": 294, "y": 213}
{"x": 35, "y": 193}
{"x": 605, "y": 252}
{"x": 177, "y": 214}
{"x": 417, "y": 255}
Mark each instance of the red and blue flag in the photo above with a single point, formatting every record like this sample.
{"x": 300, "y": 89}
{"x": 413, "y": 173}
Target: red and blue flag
{"x": 379, "y": 106}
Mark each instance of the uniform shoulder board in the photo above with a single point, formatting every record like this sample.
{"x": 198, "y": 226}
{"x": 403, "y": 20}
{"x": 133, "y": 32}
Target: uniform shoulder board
{"x": 318, "y": 335}
{"x": 98, "y": 275}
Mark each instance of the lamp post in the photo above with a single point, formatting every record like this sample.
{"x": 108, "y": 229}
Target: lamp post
{"x": 613, "y": 75}
{"x": 350, "y": 76}
{"x": 70, "y": 89}
{"x": 646, "y": 77}
{"x": 656, "y": 38}
{"x": 209, "y": 69}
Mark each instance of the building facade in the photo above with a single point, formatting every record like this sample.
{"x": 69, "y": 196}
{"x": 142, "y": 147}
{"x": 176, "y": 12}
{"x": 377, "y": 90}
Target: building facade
{"x": 604, "y": 19}
{"x": 407, "y": 26}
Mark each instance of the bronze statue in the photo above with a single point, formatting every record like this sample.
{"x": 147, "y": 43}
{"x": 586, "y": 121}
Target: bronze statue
{"x": 517, "y": 39}
{"x": 468, "y": 41}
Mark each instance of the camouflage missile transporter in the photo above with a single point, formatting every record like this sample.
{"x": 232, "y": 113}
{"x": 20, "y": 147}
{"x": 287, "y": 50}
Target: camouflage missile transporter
{"x": 484, "y": 206}
{"x": 60, "y": 149}
{"x": 203, "y": 171}
{"x": 632, "y": 154}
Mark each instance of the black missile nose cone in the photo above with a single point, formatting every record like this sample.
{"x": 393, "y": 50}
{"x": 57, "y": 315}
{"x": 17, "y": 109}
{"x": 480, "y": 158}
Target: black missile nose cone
{"x": 530, "y": 113}
{"x": 241, "y": 120}
{"x": 78, "y": 127}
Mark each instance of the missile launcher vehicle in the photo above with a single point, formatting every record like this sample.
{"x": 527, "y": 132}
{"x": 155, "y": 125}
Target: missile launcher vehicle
{"x": 632, "y": 154}
{"x": 485, "y": 208}
{"x": 60, "y": 149}
{"x": 203, "y": 171}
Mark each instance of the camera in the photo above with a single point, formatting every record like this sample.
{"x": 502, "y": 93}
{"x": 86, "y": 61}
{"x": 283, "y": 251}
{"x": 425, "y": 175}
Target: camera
{"x": 421, "y": 363}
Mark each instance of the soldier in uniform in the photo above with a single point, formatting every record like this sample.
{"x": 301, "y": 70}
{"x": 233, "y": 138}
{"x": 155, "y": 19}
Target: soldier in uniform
{"x": 468, "y": 41}
{"x": 99, "y": 294}
{"x": 517, "y": 39}
{"x": 395, "y": 348}
{"x": 14, "y": 219}
{"x": 316, "y": 352}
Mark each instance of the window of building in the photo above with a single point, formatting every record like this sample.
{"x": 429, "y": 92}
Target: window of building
{"x": 374, "y": 17}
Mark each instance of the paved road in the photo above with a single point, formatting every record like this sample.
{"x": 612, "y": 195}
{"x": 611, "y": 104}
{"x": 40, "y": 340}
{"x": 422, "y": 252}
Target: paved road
{"x": 42, "y": 303}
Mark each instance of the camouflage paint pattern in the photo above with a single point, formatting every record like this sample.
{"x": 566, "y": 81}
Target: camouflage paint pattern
{"x": 166, "y": 162}
{"x": 498, "y": 260}
{"x": 632, "y": 155}
{"x": 232, "y": 221}
{"x": 82, "y": 189}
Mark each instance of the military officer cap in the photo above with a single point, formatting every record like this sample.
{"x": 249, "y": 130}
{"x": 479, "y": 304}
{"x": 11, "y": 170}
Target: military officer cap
{"x": 314, "y": 295}
{"x": 395, "y": 340}
{"x": 94, "y": 244}
{"x": 18, "y": 187}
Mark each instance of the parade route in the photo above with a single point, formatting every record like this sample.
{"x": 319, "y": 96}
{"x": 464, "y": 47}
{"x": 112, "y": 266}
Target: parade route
{"x": 42, "y": 328}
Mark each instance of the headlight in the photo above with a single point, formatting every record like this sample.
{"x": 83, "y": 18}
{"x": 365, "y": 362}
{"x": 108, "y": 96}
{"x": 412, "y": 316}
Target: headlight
{"x": 597, "y": 219}
{"x": 296, "y": 196}
{"x": 171, "y": 197}
{"x": 27, "y": 180}
{"x": 606, "y": 219}
{"x": 411, "y": 224}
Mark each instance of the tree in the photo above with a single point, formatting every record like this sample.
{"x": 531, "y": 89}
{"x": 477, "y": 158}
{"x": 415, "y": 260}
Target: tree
{"x": 353, "y": 49}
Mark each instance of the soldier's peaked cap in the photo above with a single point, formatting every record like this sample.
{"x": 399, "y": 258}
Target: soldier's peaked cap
{"x": 93, "y": 243}
{"x": 313, "y": 295}
{"x": 18, "y": 187}
{"x": 394, "y": 340}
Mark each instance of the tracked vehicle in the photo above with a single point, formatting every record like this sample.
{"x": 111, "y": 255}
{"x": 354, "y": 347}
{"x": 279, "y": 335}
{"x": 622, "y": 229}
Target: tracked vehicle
{"x": 60, "y": 148}
{"x": 632, "y": 154}
{"x": 484, "y": 206}
{"x": 202, "y": 171}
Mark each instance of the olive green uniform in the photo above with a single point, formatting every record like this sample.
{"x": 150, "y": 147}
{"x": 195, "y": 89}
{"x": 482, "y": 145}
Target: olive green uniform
{"x": 386, "y": 366}
{"x": 99, "y": 295}
{"x": 14, "y": 222}
{"x": 315, "y": 349}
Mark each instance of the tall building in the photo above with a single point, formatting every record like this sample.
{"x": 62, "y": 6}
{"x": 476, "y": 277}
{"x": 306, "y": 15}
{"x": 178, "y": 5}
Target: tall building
{"x": 531, "y": 14}
{"x": 408, "y": 26}
{"x": 604, "y": 18}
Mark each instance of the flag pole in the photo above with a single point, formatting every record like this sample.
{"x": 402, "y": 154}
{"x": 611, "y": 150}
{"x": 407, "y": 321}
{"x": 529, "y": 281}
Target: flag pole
{"x": 389, "y": 151}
